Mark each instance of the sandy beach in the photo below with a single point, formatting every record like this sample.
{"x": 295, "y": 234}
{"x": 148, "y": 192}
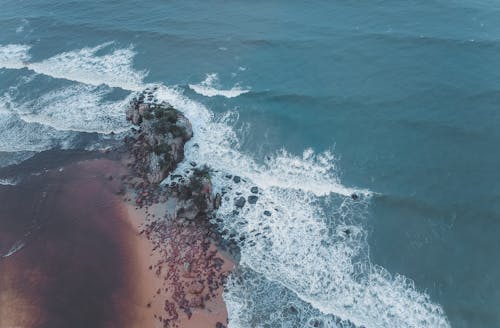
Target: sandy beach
{"x": 91, "y": 259}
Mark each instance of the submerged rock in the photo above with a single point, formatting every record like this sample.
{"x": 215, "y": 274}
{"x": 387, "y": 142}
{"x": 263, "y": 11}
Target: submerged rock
{"x": 217, "y": 201}
{"x": 252, "y": 199}
{"x": 240, "y": 202}
{"x": 254, "y": 190}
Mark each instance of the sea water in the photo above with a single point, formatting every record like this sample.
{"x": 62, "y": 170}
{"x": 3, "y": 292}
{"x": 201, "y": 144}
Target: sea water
{"x": 394, "y": 102}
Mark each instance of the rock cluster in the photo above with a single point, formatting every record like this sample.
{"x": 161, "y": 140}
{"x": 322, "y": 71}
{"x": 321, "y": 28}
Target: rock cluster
{"x": 189, "y": 267}
{"x": 184, "y": 236}
{"x": 195, "y": 199}
{"x": 159, "y": 134}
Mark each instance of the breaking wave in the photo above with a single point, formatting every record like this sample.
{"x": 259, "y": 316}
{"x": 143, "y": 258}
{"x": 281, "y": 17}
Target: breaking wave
{"x": 305, "y": 231}
{"x": 84, "y": 65}
{"x": 302, "y": 233}
{"x": 19, "y": 136}
{"x": 8, "y": 182}
{"x": 62, "y": 116}
{"x": 13, "y": 249}
{"x": 78, "y": 108}
{"x": 208, "y": 88}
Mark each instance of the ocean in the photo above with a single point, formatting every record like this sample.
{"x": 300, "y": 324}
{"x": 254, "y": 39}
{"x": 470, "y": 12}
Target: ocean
{"x": 369, "y": 127}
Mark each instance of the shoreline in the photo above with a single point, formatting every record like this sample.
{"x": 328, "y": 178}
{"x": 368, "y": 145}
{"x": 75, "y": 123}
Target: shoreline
{"x": 89, "y": 262}
{"x": 151, "y": 263}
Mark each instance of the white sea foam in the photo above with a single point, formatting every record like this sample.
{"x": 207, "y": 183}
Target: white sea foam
{"x": 218, "y": 146}
{"x": 8, "y": 182}
{"x": 84, "y": 65}
{"x": 77, "y": 108}
{"x": 330, "y": 269}
{"x": 56, "y": 118}
{"x": 208, "y": 88}
{"x": 24, "y": 24}
{"x": 14, "y": 56}
{"x": 53, "y": 119}
{"x": 314, "y": 241}
{"x": 301, "y": 246}
{"x": 19, "y": 136}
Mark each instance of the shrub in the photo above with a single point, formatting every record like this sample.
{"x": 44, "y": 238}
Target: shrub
{"x": 168, "y": 114}
{"x": 147, "y": 115}
{"x": 162, "y": 148}
{"x": 166, "y": 161}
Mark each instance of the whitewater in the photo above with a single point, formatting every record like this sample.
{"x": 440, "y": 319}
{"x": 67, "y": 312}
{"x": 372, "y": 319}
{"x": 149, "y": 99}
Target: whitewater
{"x": 306, "y": 237}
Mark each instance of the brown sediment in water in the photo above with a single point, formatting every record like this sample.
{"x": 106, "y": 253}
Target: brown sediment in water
{"x": 85, "y": 263}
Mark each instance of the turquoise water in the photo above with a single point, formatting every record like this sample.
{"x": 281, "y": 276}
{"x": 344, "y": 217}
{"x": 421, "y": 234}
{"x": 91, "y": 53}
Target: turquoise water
{"x": 395, "y": 101}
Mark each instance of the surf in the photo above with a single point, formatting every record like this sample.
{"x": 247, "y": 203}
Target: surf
{"x": 210, "y": 88}
{"x": 305, "y": 231}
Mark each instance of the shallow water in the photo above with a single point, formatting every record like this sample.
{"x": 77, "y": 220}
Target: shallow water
{"x": 65, "y": 251}
{"x": 394, "y": 101}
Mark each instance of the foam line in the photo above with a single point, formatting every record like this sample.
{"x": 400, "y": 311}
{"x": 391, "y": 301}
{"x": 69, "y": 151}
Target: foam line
{"x": 323, "y": 257}
{"x": 83, "y": 65}
{"x": 8, "y": 182}
{"x": 77, "y": 108}
{"x": 208, "y": 88}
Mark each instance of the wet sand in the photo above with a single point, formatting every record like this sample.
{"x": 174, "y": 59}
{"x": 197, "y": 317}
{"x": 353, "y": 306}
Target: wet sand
{"x": 154, "y": 275}
{"x": 85, "y": 262}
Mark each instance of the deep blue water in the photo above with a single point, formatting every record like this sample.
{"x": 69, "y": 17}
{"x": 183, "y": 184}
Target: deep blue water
{"x": 404, "y": 94}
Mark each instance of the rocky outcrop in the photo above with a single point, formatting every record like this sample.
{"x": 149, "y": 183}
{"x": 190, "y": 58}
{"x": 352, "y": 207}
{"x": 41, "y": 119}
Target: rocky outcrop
{"x": 195, "y": 199}
{"x": 181, "y": 230}
{"x": 156, "y": 147}
{"x": 158, "y": 139}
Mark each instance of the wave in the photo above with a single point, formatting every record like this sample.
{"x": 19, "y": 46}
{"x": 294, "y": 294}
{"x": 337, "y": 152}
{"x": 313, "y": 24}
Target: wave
{"x": 83, "y": 65}
{"x": 303, "y": 232}
{"x": 14, "y": 249}
{"x": 77, "y": 108}
{"x": 58, "y": 119}
{"x": 9, "y": 182}
{"x": 291, "y": 243}
{"x": 19, "y": 136}
{"x": 208, "y": 88}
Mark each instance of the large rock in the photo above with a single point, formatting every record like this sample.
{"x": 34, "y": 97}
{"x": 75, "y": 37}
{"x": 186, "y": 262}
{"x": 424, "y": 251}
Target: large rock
{"x": 239, "y": 202}
{"x": 157, "y": 144}
{"x": 195, "y": 198}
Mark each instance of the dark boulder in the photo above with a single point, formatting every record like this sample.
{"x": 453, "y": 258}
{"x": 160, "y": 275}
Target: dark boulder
{"x": 239, "y": 202}
{"x": 252, "y": 199}
{"x": 217, "y": 201}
